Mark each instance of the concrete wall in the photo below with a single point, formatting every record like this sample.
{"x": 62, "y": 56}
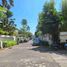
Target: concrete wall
{"x": 6, "y": 37}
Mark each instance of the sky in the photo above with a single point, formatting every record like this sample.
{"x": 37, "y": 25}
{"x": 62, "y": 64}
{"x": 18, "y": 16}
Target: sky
{"x": 29, "y": 9}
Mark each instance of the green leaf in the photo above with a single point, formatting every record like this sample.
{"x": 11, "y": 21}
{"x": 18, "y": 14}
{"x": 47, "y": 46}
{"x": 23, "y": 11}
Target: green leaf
{"x": 3, "y": 9}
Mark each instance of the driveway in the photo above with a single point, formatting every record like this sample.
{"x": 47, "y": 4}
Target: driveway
{"x": 26, "y": 55}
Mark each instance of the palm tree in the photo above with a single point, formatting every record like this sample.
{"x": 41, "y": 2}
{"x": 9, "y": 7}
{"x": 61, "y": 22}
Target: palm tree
{"x": 5, "y": 2}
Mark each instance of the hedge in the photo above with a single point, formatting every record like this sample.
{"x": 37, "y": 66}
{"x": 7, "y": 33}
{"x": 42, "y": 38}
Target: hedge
{"x": 9, "y": 43}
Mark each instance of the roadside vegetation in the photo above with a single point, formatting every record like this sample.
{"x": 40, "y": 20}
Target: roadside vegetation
{"x": 7, "y": 23}
{"x": 9, "y": 43}
{"x": 24, "y": 32}
{"x": 8, "y": 26}
{"x": 51, "y": 21}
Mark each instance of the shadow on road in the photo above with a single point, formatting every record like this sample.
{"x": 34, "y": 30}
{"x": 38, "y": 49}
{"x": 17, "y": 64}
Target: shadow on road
{"x": 44, "y": 49}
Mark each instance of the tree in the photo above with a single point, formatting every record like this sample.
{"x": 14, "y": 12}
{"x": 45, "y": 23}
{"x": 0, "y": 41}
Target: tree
{"x": 11, "y": 27}
{"x": 7, "y": 25}
{"x": 24, "y": 25}
{"x": 2, "y": 12}
{"x": 6, "y": 2}
{"x": 40, "y": 21}
{"x": 38, "y": 33}
{"x": 64, "y": 14}
{"x": 28, "y": 28}
{"x": 25, "y": 30}
{"x": 7, "y": 22}
{"x": 49, "y": 21}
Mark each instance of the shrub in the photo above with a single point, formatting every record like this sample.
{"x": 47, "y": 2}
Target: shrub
{"x": 9, "y": 43}
{"x": 45, "y": 43}
{"x": 6, "y": 33}
{"x": 1, "y": 31}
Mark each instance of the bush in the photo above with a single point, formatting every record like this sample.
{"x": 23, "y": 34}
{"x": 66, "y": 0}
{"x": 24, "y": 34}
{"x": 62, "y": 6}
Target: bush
{"x": 6, "y": 33}
{"x": 62, "y": 45}
{"x": 9, "y": 43}
{"x": 45, "y": 43}
{"x": 1, "y": 31}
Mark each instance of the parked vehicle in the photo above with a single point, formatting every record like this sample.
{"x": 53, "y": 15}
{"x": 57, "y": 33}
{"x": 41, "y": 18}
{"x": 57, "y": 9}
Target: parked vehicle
{"x": 21, "y": 39}
{"x": 36, "y": 41}
{"x": 26, "y": 39}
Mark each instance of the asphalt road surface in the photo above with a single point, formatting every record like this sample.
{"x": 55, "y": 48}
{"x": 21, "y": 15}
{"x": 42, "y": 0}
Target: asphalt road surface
{"x": 26, "y": 55}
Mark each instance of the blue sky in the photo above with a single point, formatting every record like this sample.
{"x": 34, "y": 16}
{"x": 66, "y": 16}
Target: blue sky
{"x": 29, "y": 9}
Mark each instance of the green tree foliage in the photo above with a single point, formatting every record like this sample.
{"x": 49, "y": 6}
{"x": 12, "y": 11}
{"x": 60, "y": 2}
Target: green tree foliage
{"x": 6, "y": 2}
{"x": 7, "y": 23}
{"x": 49, "y": 21}
{"x": 2, "y": 12}
{"x": 64, "y": 14}
{"x": 24, "y": 25}
{"x": 40, "y": 21}
{"x": 9, "y": 14}
{"x": 38, "y": 33}
{"x": 25, "y": 30}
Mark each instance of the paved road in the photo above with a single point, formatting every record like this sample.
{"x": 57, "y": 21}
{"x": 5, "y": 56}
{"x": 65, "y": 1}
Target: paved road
{"x": 26, "y": 55}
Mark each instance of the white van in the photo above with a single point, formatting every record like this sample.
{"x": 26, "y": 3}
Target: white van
{"x": 63, "y": 37}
